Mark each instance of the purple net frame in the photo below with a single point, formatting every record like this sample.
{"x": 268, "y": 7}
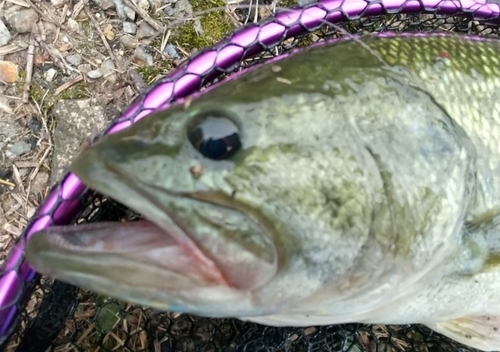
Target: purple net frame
{"x": 63, "y": 202}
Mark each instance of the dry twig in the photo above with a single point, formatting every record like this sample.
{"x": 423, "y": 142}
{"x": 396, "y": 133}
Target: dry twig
{"x": 6, "y": 183}
{"x": 101, "y": 34}
{"x": 158, "y": 27}
{"x": 68, "y": 84}
{"x": 55, "y": 59}
{"x": 78, "y": 8}
{"x": 29, "y": 68}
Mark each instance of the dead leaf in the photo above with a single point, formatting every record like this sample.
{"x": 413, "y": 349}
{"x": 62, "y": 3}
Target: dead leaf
{"x": 9, "y": 72}
{"x": 108, "y": 32}
{"x": 66, "y": 47}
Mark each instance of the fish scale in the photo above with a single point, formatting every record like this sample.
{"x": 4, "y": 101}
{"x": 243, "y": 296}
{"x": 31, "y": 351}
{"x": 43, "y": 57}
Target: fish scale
{"x": 354, "y": 181}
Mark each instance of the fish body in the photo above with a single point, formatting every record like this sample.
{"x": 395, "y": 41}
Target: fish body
{"x": 354, "y": 181}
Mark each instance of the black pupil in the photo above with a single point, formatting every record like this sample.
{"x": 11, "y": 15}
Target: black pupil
{"x": 215, "y": 136}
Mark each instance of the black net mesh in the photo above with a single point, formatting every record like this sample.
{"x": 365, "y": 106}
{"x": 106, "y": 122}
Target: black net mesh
{"x": 60, "y": 317}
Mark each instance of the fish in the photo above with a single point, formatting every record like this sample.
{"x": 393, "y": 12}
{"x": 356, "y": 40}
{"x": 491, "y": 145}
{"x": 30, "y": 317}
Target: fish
{"x": 352, "y": 181}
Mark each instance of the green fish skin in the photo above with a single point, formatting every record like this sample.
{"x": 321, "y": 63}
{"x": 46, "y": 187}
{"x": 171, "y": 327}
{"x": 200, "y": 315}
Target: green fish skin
{"x": 361, "y": 184}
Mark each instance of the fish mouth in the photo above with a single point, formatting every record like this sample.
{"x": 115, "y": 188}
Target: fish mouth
{"x": 160, "y": 253}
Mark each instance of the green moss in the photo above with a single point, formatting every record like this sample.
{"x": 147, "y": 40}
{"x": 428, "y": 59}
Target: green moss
{"x": 47, "y": 100}
{"x": 287, "y": 3}
{"x": 38, "y": 94}
{"x": 151, "y": 73}
{"x": 78, "y": 91}
{"x": 86, "y": 26}
{"x": 215, "y": 25}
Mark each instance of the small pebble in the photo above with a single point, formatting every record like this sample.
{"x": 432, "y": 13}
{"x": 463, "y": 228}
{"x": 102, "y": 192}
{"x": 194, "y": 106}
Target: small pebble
{"x": 39, "y": 184}
{"x": 34, "y": 124}
{"x": 108, "y": 70}
{"x": 84, "y": 68}
{"x": 129, "y": 12}
{"x": 144, "y": 5}
{"x": 169, "y": 11}
{"x": 32, "y": 141}
{"x": 23, "y": 21}
{"x": 128, "y": 41}
{"x": 120, "y": 9}
{"x": 129, "y": 27}
{"x": 4, "y": 34}
{"x": 50, "y": 29}
{"x": 145, "y": 31}
{"x": 105, "y": 4}
{"x": 4, "y": 106}
{"x": 50, "y": 74}
{"x": 20, "y": 148}
{"x": 155, "y": 4}
{"x": 99, "y": 58}
{"x": 141, "y": 56}
{"x": 171, "y": 51}
{"x": 74, "y": 59}
{"x": 58, "y": 3}
{"x": 94, "y": 74}
{"x": 73, "y": 25}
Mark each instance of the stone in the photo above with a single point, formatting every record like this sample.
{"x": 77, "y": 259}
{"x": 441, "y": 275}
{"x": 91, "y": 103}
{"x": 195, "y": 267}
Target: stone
{"x": 145, "y": 31}
{"x": 129, "y": 12}
{"x": 94, "y": 74}
{"x": 120, "y": 9}
{"x": 4, "y": 34}
{"x": 105, "y": 4}
{"x": 74, "y": 59}
{"x": 84, "y": 68}
{"x": 129, "y": 28}
{"x": 19, "y": 148}
{"x": 143, "y": 4}
{"x": 108, "y": 70}
{"x": 23, "y": 21}
{"x": 171, "y": 51}
{"x": 73, "y": 25}
{"x": 128, "y": 41}
{"x": 40, "y": 183}
{"x": 142, "y": 57}
{"x": 50, "y": 74}
{"x": 58, "y": 3}
{"x": 76, "y": 121}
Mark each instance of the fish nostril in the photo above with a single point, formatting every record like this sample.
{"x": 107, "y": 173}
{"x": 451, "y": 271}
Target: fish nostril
{"x": 214, "y": 135}
{"x": 196, "y": 171}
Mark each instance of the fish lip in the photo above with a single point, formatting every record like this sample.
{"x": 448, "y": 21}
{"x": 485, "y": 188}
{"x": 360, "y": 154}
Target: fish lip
{"x": 190, "y": 245}
{"x": 95, "y": 167}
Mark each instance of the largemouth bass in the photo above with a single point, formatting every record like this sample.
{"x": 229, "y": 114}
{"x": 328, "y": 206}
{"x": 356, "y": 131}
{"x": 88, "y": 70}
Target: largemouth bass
{"x": 355, "y": 181}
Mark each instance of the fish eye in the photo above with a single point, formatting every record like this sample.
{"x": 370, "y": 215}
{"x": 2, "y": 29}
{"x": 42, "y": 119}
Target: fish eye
{"x": 214, "y": 134}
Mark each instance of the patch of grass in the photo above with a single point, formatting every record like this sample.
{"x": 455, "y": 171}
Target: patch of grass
{"x": 161, "y": 67}
{"x": 215, "y": 24}
{"x": 78, "y": 91}
{"x": 287, "y": 3}
{"x": 151, "y": 73}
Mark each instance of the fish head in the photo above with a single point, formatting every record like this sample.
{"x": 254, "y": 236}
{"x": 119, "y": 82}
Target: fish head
{"x": 263, "y": 191}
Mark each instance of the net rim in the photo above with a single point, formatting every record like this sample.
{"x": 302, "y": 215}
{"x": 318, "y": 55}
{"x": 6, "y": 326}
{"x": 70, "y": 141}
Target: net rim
{"x": 63, "y": 202}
